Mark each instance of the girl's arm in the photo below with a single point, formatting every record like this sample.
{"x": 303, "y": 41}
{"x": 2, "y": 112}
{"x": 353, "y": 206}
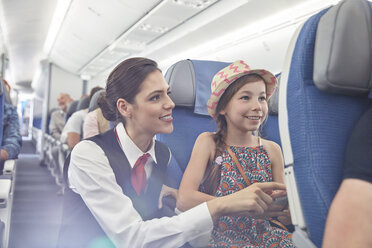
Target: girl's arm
{"x": 202, "y": 153}
{"x": 276, "y": 158}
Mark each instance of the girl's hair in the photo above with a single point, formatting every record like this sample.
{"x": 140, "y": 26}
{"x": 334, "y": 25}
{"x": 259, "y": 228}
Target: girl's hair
{"x": 213, "y": 173}
{"x": 124, "y": 82}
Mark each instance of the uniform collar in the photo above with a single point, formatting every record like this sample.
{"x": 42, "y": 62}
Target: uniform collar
{"x": 130, "y": 149}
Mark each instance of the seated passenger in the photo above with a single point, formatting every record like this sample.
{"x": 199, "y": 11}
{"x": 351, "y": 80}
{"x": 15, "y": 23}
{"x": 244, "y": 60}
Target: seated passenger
{"x": 11, "y": 141}
{"x": 95, "y": 123}
{"x": 73, "y": 131}
{"x": 350, "y": 215}
{"x": 58, "y": 117}
{"x": 235, "y": 157}
{"x": 116, "y": 177}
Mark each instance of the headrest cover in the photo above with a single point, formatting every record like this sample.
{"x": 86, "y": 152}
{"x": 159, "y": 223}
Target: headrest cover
{"x": 72, "y": 107}
{"x": 343, "y": 49}
{"x": 190, "y": 82}
{"x": 181, "y": 79}
{"x": 93, "y": 102}
{"x": 273, "y": 102}
{"x": 83, "y": 103}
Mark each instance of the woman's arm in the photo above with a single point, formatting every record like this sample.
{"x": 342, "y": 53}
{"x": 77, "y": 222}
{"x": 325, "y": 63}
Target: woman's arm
{"x": 188, "y": 194}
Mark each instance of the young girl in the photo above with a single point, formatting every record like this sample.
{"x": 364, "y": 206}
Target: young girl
{"x": 116, "y": 178}
{"x": 235, "y": 157}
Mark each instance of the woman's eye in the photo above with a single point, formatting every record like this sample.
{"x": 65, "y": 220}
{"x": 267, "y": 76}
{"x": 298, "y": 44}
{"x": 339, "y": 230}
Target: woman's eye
{"x": 245, "y": 98}
{"x": 169, "y": 92}
{"x": 262, "y": 98}
{"x": 155, "y": 98}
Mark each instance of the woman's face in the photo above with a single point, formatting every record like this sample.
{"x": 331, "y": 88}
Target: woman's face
{"x": 152, "y": 107}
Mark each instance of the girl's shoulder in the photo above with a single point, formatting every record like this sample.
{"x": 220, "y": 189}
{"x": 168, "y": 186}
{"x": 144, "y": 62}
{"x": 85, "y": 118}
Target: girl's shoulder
{"x": 206, "y": 140}
{"x": 271, "y": 147}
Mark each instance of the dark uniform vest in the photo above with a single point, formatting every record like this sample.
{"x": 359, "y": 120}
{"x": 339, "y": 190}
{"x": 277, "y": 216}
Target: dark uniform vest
{"x": 79, "y": 227}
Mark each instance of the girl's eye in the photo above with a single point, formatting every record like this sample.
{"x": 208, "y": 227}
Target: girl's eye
{"x": 262, "y": 98}
{"x": 245, "y": 98}
{"x": 169, "y": 92}
{"x": 155, "y": 98}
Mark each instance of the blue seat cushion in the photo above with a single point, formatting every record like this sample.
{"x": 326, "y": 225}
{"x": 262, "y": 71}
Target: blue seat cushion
{"x": 187, "y": 127}
{"x": 319, "y": 126}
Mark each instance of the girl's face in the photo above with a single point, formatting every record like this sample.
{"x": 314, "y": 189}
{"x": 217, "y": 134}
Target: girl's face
{"x": 247, "y": 109}
{"x": 151, "y": 112}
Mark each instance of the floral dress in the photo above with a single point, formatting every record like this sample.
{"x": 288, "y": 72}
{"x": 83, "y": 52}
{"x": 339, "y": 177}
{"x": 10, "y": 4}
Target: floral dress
{"x": 235, "y": 231}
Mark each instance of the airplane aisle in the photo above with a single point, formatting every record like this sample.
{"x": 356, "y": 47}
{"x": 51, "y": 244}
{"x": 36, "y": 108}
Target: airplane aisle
{"x": 37, "y": 208}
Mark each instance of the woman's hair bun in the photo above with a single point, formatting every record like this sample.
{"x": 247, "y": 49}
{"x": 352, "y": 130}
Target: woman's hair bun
{"x": 107, "y": 110}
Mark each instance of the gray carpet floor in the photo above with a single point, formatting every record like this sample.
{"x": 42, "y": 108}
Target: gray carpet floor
{"x": 37, "y": 209}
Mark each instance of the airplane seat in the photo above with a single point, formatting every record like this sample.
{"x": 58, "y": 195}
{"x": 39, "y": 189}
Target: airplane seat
{"x": 48, "y": 118}
{"x": 93, "y": 102}
{"x": 2, "y": 100}
{"x": 270, "y": 129}
{"x": 323, "y": 93}
{"x": 83, "y": 103}
{"x": 72, "y": 107}
{"x": 190, "y": 82}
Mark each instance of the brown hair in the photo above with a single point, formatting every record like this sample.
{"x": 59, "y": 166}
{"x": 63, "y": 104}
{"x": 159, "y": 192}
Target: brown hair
{"x": 213, "y": 173}
{"x": 124, "y": 82}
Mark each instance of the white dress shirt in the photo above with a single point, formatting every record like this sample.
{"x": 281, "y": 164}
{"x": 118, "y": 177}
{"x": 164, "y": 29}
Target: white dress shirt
{"x": 92, "y": 177}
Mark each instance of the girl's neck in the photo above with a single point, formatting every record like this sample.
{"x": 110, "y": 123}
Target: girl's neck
{"x": 241, "y": 139}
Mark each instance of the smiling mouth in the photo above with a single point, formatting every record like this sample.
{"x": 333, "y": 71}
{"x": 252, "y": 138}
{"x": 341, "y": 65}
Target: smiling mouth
{"x": 253, "y": 117}
{"x": 166, "y": 118}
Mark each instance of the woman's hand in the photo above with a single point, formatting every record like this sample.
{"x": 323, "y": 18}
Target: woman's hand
{"x": 165, "y": 190}
{"x": 253, "y": 201}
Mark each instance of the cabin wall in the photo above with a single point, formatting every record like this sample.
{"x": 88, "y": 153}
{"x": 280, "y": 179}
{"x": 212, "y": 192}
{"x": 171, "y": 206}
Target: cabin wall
{"x": 64, "y": 82}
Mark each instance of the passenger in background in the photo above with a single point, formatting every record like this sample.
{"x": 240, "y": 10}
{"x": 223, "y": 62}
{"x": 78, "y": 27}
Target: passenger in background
{"x": 349, "y": 221}
{"x": 95, "y": 123}
{"x": 235, "y": 157}
{"x": 58, "y": 117}
{"x": 73, "y": 131}
{"x": 116, "y": 177}
{"x": 11, "y": 141}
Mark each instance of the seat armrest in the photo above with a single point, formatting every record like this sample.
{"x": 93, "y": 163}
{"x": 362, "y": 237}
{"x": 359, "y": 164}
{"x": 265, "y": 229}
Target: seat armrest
{"x": 5, "y": 185}
{"x": 9, "y": 166}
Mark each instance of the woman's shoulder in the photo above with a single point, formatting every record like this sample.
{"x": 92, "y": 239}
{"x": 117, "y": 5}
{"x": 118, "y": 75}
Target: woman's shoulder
{"x": 86, "y": 148}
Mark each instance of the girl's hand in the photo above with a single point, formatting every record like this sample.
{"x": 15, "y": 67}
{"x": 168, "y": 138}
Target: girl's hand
{"x": 286, "y": 218}
{"x": 165, "y": 190}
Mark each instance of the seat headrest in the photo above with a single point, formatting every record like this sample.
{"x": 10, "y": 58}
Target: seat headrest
{"x": 190, "y": 82}
{"x": 93, "y": 102}
{"x": 343, "y": 49}
{"x": 83, "y": 103}
{"x": 72, "y": 107}
{"x": 273, "y": 102}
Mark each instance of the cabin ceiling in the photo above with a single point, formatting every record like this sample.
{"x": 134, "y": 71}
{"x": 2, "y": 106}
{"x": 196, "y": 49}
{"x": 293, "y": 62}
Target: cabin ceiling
{"x": 96, "y": 34}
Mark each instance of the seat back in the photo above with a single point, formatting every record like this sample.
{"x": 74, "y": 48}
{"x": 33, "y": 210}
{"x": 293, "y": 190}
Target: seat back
{"x": 270, "y": 129}
{"x": 93, "y": 102}
{"x": 72, "y": 107}
{"x": 317, "y": 115}
{"x": 190, "y": 82}
{"x": 2, "y": 96}
{"x": 83, "y": 103}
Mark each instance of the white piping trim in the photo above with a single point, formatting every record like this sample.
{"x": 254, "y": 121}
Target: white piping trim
{"x": 282, "y": 108}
